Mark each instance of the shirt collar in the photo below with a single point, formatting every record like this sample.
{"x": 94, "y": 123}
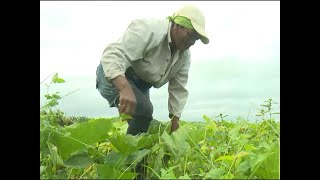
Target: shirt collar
{"x": 169, "y": 37}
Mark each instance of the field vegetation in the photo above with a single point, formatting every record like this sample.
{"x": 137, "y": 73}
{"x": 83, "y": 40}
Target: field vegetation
{"x": 99, "y": 148}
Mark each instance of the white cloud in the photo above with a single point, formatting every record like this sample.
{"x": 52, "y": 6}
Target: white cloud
{"x": 74, "y": 34}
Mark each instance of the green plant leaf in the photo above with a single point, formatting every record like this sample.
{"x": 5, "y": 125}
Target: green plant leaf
{"x": 126, "y": 144}
{"x": 56, "y": 159}
{"x": 42, "y": 169}
{"x": 81, "y": 135}
{"x": 241, "y": 154}
{"x": 156, "y": 126}
{"x": 56, "y": 79}
{"x": 115, "y": 158}
{"x": 216, "y": 173}
{"x": 125, "y": 117}
{"x": 206, "y": 118}
{"x": 137, "y": 156}
{"x": 222, "y": 158}
{"x": 176, "y": 142}
{"x": 105, "y": 171}
{"x": 243, "y": 167}
{"x": 185, "y": 176}
{"x": 168, "y": 173}
{"x": 147, "y": 140}
{"x": 78, "y": 161}
{"x": 270, "y": 166}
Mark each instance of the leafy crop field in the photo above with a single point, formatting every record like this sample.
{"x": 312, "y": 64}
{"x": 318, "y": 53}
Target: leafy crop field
{"x": 98, "y": 148}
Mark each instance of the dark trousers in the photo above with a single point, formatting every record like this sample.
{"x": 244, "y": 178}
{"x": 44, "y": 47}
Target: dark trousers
{"x": 144, "y": 108}
{"x": 142, "y": 116}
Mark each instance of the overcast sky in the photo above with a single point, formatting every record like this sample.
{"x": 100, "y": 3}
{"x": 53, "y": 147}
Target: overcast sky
{"x": 244, "y": 40}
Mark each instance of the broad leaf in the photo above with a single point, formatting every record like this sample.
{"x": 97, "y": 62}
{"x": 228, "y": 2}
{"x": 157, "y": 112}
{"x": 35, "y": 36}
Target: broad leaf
{"x": 78, "y": 161}
{"x": 115, "y": 158}
{"x": 176, "y": 142}
{"x": 81, "y": 135}
{"x": 215, "y": 173}
{"x": 109, "y": 172}
{"x": 137, "y": 156}
{"x": 126, "y": 144}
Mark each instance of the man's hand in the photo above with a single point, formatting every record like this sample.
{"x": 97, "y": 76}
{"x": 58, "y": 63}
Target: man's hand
{"x": 127, "y": 99}
{"x": 174, "y": 124}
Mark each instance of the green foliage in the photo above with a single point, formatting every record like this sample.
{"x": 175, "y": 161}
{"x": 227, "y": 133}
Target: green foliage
{"x": 267, "y": 109}
{"x": 124, "y": 117}
{"x": 109, "y": 172}
{"x": 81, "y": 135}
{"x": 56, "y": 79}
{"x": 98, "y": 148}
{"x": 246, "y": 150}
{"x": 78, "y": 161}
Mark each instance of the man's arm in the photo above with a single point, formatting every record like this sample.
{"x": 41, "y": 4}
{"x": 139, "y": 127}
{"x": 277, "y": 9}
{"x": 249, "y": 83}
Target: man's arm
{"x": 118, "y": 56}
{"x": 127, "y": 99}
{"x": 178, "y": 95}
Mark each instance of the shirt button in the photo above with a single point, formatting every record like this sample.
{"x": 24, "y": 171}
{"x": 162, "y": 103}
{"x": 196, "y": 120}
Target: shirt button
{"x": 161, "y": 75}
{"x": 167, "y": 60}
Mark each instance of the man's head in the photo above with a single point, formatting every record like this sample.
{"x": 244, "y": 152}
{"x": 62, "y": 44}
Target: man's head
{"x": 188, "y": 26}
{"x": 182, "y": 37}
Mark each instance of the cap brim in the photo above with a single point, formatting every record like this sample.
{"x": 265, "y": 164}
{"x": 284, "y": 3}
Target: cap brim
{"x": 204, "y": 37}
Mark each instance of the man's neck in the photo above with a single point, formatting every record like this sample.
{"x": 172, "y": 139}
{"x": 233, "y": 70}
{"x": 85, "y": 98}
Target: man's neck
{"x": 172, "y": 48}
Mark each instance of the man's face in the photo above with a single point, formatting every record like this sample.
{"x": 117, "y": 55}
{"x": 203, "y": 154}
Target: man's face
{"x": 185, "y": 38}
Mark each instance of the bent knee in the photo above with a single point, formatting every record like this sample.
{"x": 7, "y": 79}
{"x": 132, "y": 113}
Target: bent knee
{"x": 144, "y": 108}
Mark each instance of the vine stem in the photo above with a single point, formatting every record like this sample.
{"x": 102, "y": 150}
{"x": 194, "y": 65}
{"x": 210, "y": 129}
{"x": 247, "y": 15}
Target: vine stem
{"x": 46, "y": 78}
{"x": 86, "y": 171}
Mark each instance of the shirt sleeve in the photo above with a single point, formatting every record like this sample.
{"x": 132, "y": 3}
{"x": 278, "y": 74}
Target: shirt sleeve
{"x": 118, "y": 56}
{"x": 178, "y": 94}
